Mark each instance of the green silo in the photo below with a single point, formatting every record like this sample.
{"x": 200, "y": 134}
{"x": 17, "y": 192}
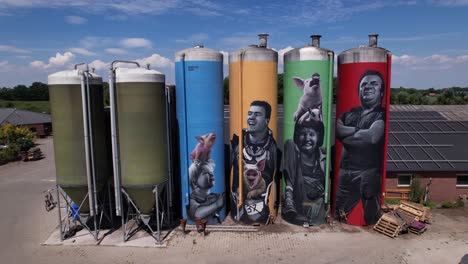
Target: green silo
{"x": 66, "y": 102}
{"x": 141, "y": 128}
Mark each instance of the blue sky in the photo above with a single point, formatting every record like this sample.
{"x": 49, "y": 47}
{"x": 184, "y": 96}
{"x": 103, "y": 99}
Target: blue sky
{"x": 428, "y": 38}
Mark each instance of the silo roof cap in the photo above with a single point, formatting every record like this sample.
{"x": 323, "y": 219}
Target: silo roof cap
{"x": 199, "y": 53}
{"x": 72, "y": 77}
{"x": 126, "y": 75}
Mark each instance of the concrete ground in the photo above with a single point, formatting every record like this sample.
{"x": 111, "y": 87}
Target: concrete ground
{"x": 25, "y": 225}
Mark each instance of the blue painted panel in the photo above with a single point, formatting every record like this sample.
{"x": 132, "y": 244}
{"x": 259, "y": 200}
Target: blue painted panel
{"x": 199, "y": 92}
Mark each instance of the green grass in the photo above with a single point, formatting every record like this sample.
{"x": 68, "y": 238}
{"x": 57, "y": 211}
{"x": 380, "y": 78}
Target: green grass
{"x": 452, "y": 204}
{"x": 35, "y": 106}
{"x": 392, "y": 201}
{"x": 431, "y": 205}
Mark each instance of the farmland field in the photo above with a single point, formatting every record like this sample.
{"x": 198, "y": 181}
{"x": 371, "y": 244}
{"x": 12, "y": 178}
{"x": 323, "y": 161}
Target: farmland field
{"x": 35, "y": 106}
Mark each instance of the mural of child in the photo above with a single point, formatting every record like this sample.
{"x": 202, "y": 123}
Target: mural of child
{"x": 203, "y": 204}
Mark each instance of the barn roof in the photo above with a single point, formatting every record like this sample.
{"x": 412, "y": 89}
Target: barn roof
{"x": 22, "y": 117}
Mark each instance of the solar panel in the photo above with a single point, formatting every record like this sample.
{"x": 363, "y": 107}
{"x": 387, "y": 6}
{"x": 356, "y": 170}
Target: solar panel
{"x": 425, "y": 141}
{"x": 416, "y": 115}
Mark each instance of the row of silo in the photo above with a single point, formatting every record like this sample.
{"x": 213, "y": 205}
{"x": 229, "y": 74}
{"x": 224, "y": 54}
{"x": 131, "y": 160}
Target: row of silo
{"x": 143, "y": 150}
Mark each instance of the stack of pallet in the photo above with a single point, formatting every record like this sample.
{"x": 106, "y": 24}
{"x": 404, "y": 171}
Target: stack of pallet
{"x": 420, "y": 212}
{"x": 33, "y": 154}
{"x": 406, "y": 217}
{"x": 417, "y": 228}
{"x": 389, "y": 225}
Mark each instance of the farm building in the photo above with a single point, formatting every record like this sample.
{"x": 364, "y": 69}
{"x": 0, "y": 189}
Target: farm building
{"x": 429, "y": 142}
{"x": 36, "y": 122}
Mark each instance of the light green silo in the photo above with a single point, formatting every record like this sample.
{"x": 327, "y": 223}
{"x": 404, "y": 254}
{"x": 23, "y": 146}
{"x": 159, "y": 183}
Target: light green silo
{"x": 141, "y": 126}
{"x": 69, "y": 140}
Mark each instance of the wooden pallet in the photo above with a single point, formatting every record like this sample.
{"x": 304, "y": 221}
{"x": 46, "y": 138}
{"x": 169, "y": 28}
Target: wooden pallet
{"x": 420, "y": 212}
{"x": 388, "y": 226}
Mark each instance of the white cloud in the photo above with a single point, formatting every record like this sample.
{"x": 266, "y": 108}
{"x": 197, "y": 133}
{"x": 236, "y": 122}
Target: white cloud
{"x": 76, "y": 20}
{"x": 12, "y": 49}
{"x": 99, "y": 65}
{"x": 194, "y": 38}
{"x": 94, "y": 41}
{"x": 156, "y": 60}
{"x": 82, "y": 51}
{"x": 136, "y": 43}
{"x": 116, "y": 51}
{"x": 4, "y": 66}
{"x": 38, "y": 64}
{"x": 435, "y": 61}
{"x": 462, "y": 59}
{"x": 57, "y": 60}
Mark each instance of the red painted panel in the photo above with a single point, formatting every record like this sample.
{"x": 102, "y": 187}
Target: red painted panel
{"x": 349, "y": 76}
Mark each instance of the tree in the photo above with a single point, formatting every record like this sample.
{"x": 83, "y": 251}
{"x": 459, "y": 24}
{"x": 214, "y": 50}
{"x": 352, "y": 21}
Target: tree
{"x": 39, "y": 92}
{"x": 21, "y": 93}
{"x": 280, "y": 88}
{"x": 414, "y": 98}
{"x": 402, "y": 98}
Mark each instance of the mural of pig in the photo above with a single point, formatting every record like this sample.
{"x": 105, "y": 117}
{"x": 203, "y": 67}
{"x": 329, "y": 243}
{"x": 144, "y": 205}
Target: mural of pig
{"x": 312, "y": 97}
{"x": 256, "y": 185}
{"x": 203, "y": 148}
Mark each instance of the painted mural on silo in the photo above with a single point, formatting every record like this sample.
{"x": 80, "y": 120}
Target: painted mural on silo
{"x": 203, "y": 203}
{"x": 362, "y": 133}
{"x": 200, "y": 116}
{"x": 253, "y": 127}
{"x": 308, "y": 74}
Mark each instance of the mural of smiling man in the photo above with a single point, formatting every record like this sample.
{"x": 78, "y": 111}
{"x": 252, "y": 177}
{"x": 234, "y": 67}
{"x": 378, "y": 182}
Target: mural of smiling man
{"x": 259, "y": 159}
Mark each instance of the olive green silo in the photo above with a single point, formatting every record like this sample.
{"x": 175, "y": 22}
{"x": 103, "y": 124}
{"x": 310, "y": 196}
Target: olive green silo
{"x": 141, "y": 126}
{"x": 69, "y": 140}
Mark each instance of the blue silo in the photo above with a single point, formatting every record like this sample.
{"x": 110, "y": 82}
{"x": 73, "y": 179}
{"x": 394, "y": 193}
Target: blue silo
{"x": 199, "y": 100}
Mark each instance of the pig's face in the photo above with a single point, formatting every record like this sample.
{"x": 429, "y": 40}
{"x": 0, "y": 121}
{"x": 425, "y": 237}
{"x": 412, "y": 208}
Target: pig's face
{"x": 311, "y": 86}
{"x": 207, "y": 140}
{"x": 253, "y": 172}
{"x": 253, "y": 177}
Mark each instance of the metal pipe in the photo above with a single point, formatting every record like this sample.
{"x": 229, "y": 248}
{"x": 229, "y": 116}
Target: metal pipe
{"x": 59, "y": 209}
{"x": 78, "y": 64}
{"x": 86, "y": 141}
{"x": 169, "y": 142}
{"x": 240, "y": 196}
{"x": 316, "y": 40}
{"x": 373, "y": 40}
{"x": 158, "y": 224}
{"x": 123, "y": 61}
{"x": 185, "y": 133}
{"x": 331, "y": 60}
{"x": 263, "y": 40}
{"x": 91, "y": 145}
{"x": 115, "y": 149}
